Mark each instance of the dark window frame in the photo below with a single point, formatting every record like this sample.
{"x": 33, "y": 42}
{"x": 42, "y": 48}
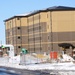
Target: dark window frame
{"x": 19, "y": 37}
{"x": 18, "y": 18}
{"x": 19, "y": 46}
{"x": 18, "y": 27}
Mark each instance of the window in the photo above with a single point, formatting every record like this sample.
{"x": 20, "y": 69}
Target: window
{"x": 19, "y": 37}
{"x": 39, "y": 27}
{"x": 48, "y": 37}
{"x": 19, "y": 46}
{"x": 18, "y": 27}
{"x": 18, "y": 18}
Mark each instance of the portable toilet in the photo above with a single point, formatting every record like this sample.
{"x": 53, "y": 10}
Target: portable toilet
{"x": 53, "y": 55}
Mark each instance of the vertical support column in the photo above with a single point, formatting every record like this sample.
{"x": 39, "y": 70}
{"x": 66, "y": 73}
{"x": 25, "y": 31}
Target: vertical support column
{"x": 28, "y": 33}
{"x": 21, "y": 32}
{"x": 5, "y": 34}
{"x": 51, "y": 31}
{"x": 16, "y": 36}
{"x": 12, "y": 33}
{"x": 40, "y": 32}
{"x": 33, "y": 34}
{"x": 8, "y": 32}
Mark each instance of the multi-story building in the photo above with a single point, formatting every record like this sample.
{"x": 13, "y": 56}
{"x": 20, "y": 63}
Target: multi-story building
{"x": 41, "y": 31}
{"x": 16, "y": 32}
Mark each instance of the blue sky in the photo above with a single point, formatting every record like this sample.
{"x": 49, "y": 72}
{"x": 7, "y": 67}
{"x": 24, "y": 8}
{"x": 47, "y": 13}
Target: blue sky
{"x": 9, "y": 8}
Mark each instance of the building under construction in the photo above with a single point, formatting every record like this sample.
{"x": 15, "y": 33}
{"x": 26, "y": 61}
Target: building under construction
{"x": 42, "y": 30}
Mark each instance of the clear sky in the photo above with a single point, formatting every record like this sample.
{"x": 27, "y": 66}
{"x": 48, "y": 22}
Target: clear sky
{"x": 9, "y": 8}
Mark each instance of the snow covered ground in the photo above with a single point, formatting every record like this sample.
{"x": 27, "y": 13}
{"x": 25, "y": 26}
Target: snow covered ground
{"x": 57, "y": 68}
{"x": 15, "y": 61}
{"x": 66, "y": 68}
{"x": 45, "y": 66}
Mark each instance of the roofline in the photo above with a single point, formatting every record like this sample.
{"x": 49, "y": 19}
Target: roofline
{"x": 25, "y": 15}
{"x": 38, "y": 11}
{"x": 13, "y": 17}
{"x": 72, "y": 9}
{"x": 33, "y": 13}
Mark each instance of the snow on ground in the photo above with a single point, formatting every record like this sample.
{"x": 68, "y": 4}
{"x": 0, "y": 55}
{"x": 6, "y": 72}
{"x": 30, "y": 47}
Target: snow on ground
{"x": 45, "y": 66}
{"x": 15, "y": 59}
{"x": 28, "y": 59}
{"x": 14, "y": 62}
{"x": 67, "y": 58}
{"x": 62, "y": 68}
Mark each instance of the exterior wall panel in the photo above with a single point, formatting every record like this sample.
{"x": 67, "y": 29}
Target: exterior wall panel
{"x": 24, "y": 39}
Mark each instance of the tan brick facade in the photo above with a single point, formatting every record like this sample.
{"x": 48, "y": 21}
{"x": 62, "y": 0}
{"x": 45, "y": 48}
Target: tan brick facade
{"x": 41, "y": 31}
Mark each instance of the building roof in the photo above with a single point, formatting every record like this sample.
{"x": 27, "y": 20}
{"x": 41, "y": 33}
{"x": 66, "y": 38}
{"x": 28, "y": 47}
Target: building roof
{"x": 20, "y": 15}
{"x": 23, "y": 14}
{"x": 60, "y": 8}
{"x": 54, "y": 8}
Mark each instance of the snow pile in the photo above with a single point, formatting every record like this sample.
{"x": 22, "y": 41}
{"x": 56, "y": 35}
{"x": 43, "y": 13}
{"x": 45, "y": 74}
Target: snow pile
{"x": 15, "y": 59}
{"x": 4, "y": 59}
{"x": 66, "y": 57}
